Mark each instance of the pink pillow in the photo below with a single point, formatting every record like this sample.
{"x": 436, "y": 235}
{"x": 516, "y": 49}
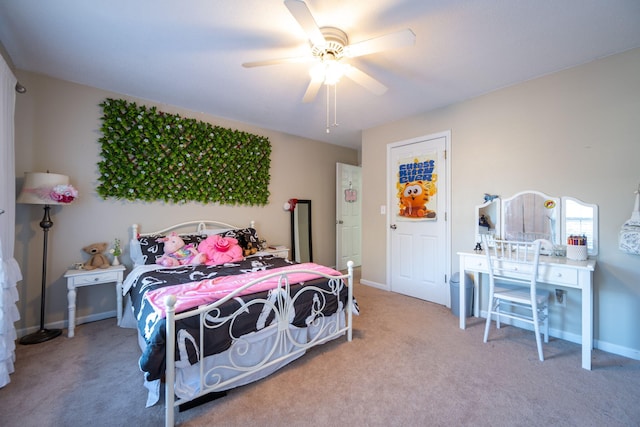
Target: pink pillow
{"x": 220, "y": 250}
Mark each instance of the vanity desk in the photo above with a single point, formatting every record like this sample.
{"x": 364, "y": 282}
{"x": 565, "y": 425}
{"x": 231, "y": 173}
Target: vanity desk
{"x": 531, "y": 215}
{"x": 556, "y": 271}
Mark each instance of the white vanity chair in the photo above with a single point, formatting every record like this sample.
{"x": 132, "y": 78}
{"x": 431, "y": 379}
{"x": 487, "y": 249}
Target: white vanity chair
{"x": 516, "y": 263}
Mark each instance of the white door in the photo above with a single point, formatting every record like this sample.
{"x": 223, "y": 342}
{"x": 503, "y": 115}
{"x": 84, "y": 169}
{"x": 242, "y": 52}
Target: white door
{"x": 348, "y": 215}
{"x": 418, "y": 202}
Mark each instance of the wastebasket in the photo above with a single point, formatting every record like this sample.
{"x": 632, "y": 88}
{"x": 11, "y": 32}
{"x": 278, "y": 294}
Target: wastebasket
{"x": 455, "y": 295}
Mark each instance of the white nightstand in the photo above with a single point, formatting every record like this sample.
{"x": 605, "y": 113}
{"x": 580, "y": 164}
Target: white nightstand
{"x": 78, "y": 278}
{"x": 281, "y": 252}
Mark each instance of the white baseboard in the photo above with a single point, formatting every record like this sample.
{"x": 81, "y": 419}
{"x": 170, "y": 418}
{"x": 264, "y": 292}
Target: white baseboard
{"x": 577, "y": 339}
{"x": 617, "y": 349}
{"x": 63, "y": 324}
{"x": 374, "y": 284}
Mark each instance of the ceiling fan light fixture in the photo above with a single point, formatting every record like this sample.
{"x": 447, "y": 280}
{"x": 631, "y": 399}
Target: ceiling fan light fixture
{"x": 333, "y": 72}
{"x": 329, "y": 71}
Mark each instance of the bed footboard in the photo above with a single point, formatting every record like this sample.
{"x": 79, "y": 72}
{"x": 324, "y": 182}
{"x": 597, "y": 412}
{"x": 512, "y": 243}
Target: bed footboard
{"x": 280, "y": 342}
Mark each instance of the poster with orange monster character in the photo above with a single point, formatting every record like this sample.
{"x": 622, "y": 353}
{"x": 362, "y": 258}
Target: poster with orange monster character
{"x": 417, "y": 188}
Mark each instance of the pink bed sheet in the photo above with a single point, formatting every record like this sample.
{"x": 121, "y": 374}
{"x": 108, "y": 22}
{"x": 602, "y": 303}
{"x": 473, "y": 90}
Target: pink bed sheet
{"x": 195, "y": 294}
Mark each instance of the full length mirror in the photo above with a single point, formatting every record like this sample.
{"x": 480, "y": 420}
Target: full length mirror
{"x": 301, "y": 248}
{"x": 531, "y": 215}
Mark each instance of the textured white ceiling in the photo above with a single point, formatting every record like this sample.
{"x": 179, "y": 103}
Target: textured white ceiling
{"x": 189, "y": 53}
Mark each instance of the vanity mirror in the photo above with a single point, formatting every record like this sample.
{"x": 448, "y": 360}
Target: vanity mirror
{"x": 531, "y": 215}
{"x": 580, "y": 219}
{"x": 488, "y": 219}
{"x": 301, "y": 250}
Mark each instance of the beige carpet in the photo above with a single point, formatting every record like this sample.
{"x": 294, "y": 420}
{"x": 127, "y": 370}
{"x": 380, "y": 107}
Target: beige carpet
{"x": 408, "y": 365}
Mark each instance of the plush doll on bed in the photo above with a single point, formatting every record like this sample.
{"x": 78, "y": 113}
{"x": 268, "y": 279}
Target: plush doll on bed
{"x": 177, "y": 253}
{"x": 220, "y": 250}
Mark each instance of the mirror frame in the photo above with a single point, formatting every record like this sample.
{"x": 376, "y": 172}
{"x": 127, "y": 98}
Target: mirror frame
{"x": 295, "y": 237}
{"x": 593, "y": 249}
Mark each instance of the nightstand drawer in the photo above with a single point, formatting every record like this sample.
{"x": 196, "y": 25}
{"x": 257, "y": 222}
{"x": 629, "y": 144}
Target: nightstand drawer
{"x": 102, "y": 276}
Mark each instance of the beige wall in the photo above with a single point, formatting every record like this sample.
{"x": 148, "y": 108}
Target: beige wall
{"x": 573, "y": 133}
{"x": 57, "y": 129}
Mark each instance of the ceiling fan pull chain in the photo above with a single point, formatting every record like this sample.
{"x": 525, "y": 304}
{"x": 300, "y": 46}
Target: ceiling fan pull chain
{"x": 335, "y": 105}
{"x": 327, "y": 86}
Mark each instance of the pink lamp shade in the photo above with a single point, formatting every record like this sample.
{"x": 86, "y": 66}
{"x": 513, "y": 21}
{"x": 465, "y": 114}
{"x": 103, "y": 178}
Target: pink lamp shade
{"x": 44, "y": 188}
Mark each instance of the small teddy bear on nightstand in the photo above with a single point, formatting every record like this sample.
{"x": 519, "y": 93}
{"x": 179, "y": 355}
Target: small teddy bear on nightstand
{"x": 97, "y": 259}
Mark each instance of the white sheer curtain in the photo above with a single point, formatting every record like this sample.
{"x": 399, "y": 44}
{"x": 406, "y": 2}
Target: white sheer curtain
{"x": 9, "y": 271}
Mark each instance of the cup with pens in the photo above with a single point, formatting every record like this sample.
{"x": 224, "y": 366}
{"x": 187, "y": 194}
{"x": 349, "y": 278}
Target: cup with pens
{"x": 577, "y": 247}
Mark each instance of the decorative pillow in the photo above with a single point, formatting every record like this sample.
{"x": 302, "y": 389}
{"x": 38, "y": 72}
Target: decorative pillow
{"x": 151, "y": 249}
{"x": 246, "y": 237}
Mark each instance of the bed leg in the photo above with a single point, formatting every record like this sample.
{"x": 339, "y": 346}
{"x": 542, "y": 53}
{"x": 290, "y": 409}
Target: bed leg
{"x": 169, "y": 398}
{"x": 350, "y": 301}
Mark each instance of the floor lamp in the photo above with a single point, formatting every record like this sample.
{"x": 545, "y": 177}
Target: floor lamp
{"x": 45, "y": 189}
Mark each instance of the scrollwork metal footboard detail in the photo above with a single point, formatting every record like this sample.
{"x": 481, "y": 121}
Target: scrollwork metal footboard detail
{"x": 281, "y": 334}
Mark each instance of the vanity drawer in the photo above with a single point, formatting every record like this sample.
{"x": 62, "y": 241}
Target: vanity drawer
{"x": 476, "y": 263}
{"x": 559, "y": 275}
{"x": 547, "y": 273}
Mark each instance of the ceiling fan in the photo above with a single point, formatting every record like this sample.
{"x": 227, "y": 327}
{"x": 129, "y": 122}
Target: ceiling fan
{"x": 329, "y": 49}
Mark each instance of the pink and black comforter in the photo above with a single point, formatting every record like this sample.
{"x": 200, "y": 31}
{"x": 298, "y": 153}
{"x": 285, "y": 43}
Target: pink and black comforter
{"x": 152, "y": 323}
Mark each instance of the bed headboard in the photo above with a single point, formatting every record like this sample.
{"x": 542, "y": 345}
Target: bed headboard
{"x": 144, "y": 251}
{"x": 197, "y": 226}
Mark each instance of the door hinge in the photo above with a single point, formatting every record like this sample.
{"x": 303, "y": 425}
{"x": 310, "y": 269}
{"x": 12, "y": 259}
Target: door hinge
{"x": 445, "y": 154}
{"x": 445, "y": 278}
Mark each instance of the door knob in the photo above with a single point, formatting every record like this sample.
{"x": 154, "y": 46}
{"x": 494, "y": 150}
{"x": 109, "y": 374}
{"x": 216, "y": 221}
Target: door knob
{"x": 339, "y": 221}
{"x": 393, "y": 226}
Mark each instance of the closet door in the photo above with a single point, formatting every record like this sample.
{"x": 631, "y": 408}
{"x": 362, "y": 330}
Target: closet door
{"x": 348, "y": 215}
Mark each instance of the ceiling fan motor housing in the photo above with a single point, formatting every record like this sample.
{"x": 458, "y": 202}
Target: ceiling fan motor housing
{"x": 335, "y": 39}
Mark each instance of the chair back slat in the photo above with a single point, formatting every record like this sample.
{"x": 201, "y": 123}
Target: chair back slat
{"x": 513, "y": 261}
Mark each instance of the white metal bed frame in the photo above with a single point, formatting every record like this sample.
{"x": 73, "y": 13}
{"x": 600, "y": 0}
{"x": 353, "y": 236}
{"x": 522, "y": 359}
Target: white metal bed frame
{"x": 285, "y": 347}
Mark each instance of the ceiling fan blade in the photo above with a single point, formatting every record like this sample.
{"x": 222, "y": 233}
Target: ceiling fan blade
{"x": 313, "y": 88}
{"x": 365, "y": 80}
{"x": 277, "y": 61}
{"x": 403, "y": 38}
{"x": 303, "y": 15}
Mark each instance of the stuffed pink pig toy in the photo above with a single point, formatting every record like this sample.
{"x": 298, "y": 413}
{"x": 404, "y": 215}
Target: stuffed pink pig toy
{"x": 177, "y": 253}
{"x": 220, "y": 250}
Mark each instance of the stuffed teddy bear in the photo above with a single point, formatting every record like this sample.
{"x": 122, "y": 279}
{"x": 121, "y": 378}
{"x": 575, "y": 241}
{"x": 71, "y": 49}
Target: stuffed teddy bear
{"x": 250, "y": 249}
{"x": 177, "y": 253}
{"x": 97, "y": 259}
{"x": 220, "y": 250}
